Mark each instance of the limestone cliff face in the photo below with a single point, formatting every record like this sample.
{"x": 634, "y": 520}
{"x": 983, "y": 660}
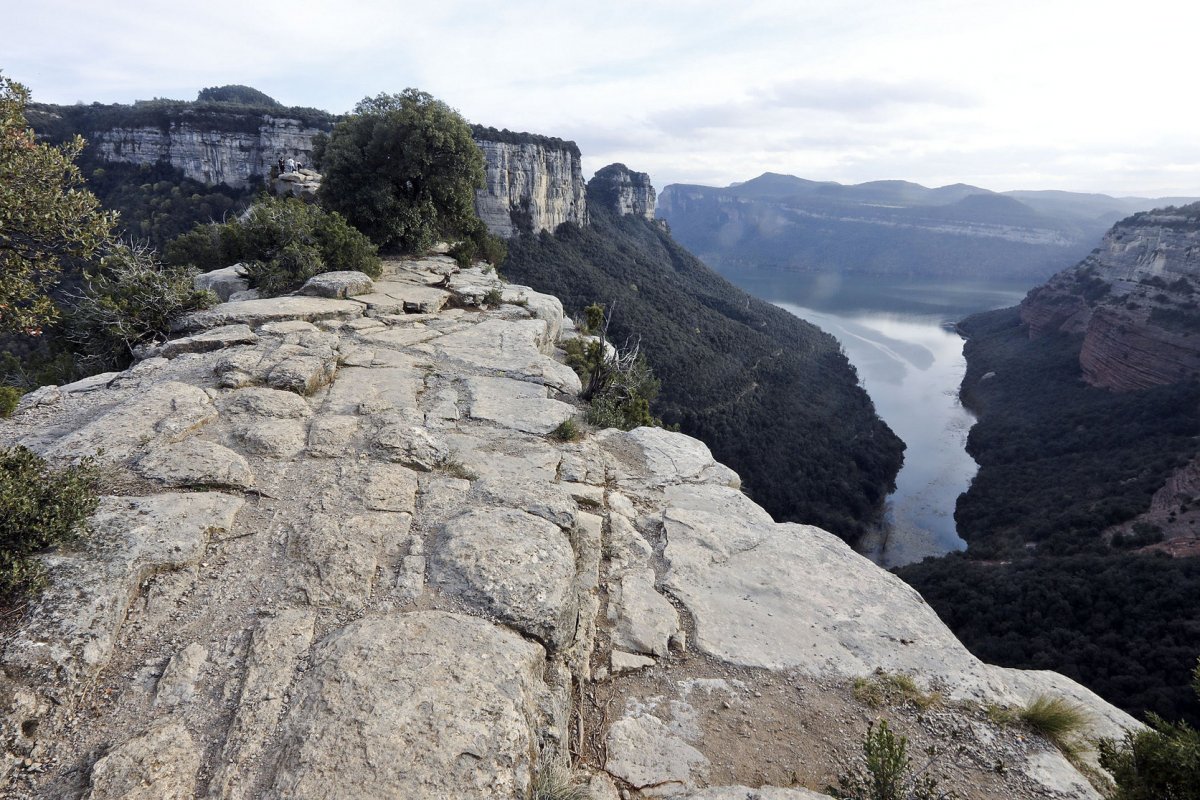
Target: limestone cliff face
{"x": 209, "y": 155}
{"x": 396, "y": 582}
{"x": 533, "y": 184}
{"x": 624, "y": 191}
{"x": 1134, "y": 299}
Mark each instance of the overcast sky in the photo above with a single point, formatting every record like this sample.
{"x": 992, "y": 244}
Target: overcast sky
{"x": 1086, "y": 96}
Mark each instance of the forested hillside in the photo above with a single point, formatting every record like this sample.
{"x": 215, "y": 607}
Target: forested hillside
{"x": 1054, "y": 577}
{"x": 772, "y": 395}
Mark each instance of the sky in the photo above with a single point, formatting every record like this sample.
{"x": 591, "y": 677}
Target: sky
{"x": 1093, "y": 96}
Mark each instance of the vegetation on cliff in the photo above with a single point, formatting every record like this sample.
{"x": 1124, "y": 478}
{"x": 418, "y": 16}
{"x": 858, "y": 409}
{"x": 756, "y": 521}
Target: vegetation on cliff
{"x": 505, "y": 136}
{"x": 771, "y": 395}
{"x": 283, "y": 243}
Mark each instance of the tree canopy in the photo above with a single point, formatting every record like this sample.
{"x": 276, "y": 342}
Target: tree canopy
{"x": 46, "y": 216}
{"x": 237, "y": 93}
{"x": 403, "y": 169}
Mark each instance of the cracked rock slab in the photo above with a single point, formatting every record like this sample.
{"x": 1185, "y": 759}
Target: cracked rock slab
{"x": 195, "y": 462}
{"x": 161, "y": 764}
{"x": 643, "y": 752}
{"x": 458, "y": 717}
{"x": 516, "y": 404}
{"x": 338, "y": 285}
{"x": 512, "y": 565}
{"x": 167, "y": 412}
{"x": 78, "y": 618}
{"x": 271, "y": 309}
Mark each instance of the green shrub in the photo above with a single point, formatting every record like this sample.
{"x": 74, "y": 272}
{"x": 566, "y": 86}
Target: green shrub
{"x": 9, "y": 397}
{"x": 493, "y": 298}
{"x": 43, "y": 507}
{"x": 282, "y": 241}
{"x": 567, "y": 431}
{"x": 479, "y": 245}
{"x": 130, "y": 301}
{"x": 1162, "y": 763}
{"x": 1056, "y": 718}
{"x": 887, "y": 771}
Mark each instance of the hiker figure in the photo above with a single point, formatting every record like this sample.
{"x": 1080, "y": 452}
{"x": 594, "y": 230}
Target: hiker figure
{"x": 281, "y": 165}
{"x": 291, "y": 165}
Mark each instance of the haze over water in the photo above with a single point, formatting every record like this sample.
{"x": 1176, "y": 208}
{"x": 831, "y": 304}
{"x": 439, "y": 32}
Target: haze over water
{"x": 899, "y": 335}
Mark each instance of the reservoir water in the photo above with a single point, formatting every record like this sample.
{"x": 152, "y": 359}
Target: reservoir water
{"x": 898, "y": 333}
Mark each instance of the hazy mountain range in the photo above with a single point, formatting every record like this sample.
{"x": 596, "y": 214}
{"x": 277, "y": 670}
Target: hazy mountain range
{"x": 784, "y": 223}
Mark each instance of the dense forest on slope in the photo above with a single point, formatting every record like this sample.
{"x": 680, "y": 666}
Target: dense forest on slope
{"x": 772, "y": 395}
{"x": 1061, "y": 462}
{"x": 1125, "y": 626}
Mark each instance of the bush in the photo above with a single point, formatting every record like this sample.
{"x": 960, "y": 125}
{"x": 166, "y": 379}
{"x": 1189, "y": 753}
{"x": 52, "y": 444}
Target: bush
{"x": 43, "y": 508}
{"x": 479, "y": 245}
{"x": 9, "y": 397}
{"x": 1162, "y": 763}
{"x": 403, "y": 169}
{"x": 567, "y": 431}
{"x": 1056, "y": 718}
{"x": 618, "y": 385}
{"x": 129, "y": 302}
{"x": 887, "y": 772}
{"x": 282, "y": 241}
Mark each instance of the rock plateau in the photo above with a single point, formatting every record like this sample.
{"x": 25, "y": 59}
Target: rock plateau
{"x": 341, "y": 557}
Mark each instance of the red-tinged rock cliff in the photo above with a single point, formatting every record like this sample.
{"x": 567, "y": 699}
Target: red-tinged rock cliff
{"x": 1135, "y": 299}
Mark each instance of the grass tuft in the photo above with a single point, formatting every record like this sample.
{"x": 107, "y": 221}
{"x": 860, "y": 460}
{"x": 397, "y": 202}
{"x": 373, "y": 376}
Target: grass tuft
{"x": 883, "y": 687}
{"x": 1056, "y": 718}
{"x": 558, "y": 783}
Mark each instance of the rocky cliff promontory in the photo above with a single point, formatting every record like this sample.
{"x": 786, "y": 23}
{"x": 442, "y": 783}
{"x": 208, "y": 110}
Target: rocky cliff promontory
{"x": 533, "y": 183}
{"x": 624, "y": 191}
{"x": 1134, "y": 300}
{"x": 341, "y": 555}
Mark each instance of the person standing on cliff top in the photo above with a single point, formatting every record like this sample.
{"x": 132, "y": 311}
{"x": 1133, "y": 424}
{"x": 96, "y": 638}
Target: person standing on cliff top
{"x": 291, "y": 165}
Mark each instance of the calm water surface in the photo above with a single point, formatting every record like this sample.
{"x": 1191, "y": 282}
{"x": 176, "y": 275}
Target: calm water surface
{"x": 898, "y": 334}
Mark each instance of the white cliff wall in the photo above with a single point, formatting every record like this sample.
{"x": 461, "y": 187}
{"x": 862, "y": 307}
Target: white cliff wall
{"x": 530, "y": 186}
{"x": 207, "y": 155}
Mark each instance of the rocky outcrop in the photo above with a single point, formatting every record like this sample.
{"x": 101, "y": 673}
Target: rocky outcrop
{"x": 532, "y": 184}
{"x": 341, "y": 557}
{"x": 623, "y": 191}
{"x": 1134, "y": 300}
{"x": 207, "y": 154}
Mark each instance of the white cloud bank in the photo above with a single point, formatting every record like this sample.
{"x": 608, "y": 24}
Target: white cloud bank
{"x": 1087, "y": 96}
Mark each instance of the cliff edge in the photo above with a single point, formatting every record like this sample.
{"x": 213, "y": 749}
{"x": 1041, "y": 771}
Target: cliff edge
{"x": 1134, "y": 300}
{"x": 342, "y": 556}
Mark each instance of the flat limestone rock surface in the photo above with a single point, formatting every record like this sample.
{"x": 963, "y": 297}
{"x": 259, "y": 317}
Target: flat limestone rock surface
{"x": 270, "y": 309}
{"x": 458, "y": 718}
{"x": 343, "y": 558}
{"x": 168, "y": 412}
{"x": 76, "y": 623}
{"x": 516, "y": 404}
{"x": 511, "y": 564}
{"x": 159, "y": 765}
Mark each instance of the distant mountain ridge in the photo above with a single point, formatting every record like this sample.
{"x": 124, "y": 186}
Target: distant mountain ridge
{"x": 781, "y": 222}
